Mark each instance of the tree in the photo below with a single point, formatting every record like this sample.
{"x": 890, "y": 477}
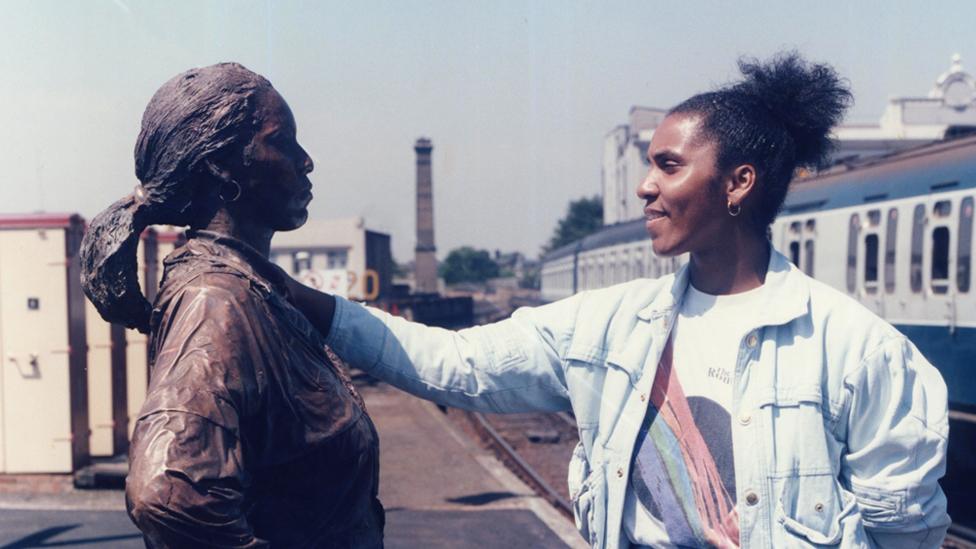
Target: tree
{"x": 583, "y": 217}
{"x": 466, "y": 264}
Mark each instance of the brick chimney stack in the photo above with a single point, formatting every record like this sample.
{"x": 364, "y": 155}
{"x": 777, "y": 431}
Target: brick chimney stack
{"x": 425, "y": 262}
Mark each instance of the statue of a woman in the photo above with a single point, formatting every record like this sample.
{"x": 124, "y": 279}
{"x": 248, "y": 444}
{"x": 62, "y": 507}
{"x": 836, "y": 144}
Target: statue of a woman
{"x": 250, "y": 435}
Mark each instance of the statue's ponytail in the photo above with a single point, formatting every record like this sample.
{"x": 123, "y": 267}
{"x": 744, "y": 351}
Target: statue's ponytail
{"x": 108, "y": 259}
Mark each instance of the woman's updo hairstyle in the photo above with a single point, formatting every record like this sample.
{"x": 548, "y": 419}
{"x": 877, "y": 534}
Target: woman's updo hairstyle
{"x": 193, "y": 118}
{"x": 778, "y": 118}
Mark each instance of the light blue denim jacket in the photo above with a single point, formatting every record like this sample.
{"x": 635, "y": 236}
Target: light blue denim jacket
{"x": 839, "y": 424}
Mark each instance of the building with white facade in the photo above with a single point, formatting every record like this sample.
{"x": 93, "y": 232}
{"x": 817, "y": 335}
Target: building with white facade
{"x": 625, "y": 163}
{"x": 330, "y": 247}
{"x": 947, "y": 111}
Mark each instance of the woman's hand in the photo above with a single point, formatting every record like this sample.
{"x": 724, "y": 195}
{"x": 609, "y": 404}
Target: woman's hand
{"x": 318, "y": 307}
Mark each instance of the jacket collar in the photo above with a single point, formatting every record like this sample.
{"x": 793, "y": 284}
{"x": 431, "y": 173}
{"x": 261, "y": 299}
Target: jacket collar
{"x": 787, "y": 294}
{"x": 222, "y": 250}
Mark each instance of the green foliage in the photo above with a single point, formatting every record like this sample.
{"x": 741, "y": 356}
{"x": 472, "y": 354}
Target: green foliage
{"x": 400, "y": 270}
{"x": 467, "y": 264}
{"x": 584, "y": 216}
{"x": 530, "y": 279}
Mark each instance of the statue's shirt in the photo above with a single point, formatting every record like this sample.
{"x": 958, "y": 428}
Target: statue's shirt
{"x": 250, "y": 435}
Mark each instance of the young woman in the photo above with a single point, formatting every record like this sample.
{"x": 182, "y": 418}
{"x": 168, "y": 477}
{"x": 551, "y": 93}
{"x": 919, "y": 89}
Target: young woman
{"x": 250, "y": 436}
{"x": 736, "y": 403}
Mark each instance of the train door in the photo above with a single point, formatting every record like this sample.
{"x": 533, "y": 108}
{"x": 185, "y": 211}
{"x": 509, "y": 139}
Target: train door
{"x": 938, "y": 262}
{"x": 870, "y": 252}
{"x": 965, "y": 303}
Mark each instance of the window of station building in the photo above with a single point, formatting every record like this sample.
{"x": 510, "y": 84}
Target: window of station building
{"x": 942, "y": 208}
{"x": 871, "y": 263}
{"x": 808, "y": 257}
{"x": 891, "y": 237}
{"x": 337, "y": 259}
{"x": 300, "y": 262}
{"x": 965, "y": 246}
{"x": 940, "y": 260}
{"x": 853, "y": 229}
{"x": 918, "y": 237}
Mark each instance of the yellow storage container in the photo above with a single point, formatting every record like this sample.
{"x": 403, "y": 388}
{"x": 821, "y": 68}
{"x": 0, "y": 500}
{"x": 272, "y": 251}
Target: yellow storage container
{"x": 44, "y": 425}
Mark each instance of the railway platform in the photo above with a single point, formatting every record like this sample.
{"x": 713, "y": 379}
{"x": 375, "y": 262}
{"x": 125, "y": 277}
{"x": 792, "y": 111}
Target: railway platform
{"x": 439, "y": 487}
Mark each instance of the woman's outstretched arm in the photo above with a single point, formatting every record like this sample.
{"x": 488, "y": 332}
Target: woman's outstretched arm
{"x": 510, "y": 366}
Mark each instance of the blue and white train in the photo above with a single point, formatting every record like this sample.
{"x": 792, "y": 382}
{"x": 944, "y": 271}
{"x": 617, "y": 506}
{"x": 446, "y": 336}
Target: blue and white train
{"x": 894, "y": 232}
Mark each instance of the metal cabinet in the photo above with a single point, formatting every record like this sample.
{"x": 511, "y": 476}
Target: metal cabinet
{"x": 43, "y": 383}
{"x": 107, "y": 410}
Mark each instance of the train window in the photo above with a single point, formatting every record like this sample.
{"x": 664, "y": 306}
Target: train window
{"x": 852, "y": 232}
{"x": 874, "y": 218}
{"x": 871, "y": 263}
{"x": 965, "y": 250}
{"x": 918, "y": 225}
{"x": 795, "y": 252}
{"x": 808, "y": 258}
{"x": 940, "y": 260}
{"x": 811, "y": 225}
{"x": 942, "y": 208}
{"x": 891, "y": 238}
{"x": 795, "y": 227}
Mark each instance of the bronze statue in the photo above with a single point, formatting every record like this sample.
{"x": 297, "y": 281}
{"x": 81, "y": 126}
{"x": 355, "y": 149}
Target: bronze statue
{"x": 250, "y": 435}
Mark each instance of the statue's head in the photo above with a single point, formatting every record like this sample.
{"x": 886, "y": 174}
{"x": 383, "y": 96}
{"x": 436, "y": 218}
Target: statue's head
{"x": 214, "y": 138}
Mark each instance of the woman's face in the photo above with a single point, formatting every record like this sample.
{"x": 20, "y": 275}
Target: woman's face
{"x": 686, "y": 208}
{"x": 276, "y": 168}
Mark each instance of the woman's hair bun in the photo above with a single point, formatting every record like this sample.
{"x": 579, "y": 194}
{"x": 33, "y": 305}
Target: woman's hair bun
{"x": 807, "y": 98}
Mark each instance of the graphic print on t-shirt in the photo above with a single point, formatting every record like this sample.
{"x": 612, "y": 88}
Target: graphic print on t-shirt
{"x": 683, "y": 472}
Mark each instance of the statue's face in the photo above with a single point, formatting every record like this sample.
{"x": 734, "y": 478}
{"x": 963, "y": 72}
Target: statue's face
{"x": 276, "y": 168}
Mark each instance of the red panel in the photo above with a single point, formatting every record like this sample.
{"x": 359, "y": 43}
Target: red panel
{"x": 39, "y": 220}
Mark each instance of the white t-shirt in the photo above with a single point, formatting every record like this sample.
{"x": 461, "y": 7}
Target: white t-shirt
{"x": 682, "y": 484}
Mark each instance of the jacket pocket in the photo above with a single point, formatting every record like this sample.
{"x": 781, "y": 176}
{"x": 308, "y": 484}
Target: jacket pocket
{"x": 585, "y": 487}
{"x": 817, "y": 508}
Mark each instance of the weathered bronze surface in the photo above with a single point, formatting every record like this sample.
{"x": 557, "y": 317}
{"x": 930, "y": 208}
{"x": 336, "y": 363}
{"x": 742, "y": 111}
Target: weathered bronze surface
{"x": 250, "y": 435}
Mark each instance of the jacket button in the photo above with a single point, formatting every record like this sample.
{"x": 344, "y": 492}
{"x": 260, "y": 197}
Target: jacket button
{"x": 753, "y": 339}
{"x": 620, "y": 473}
{"x": 745, "y": 418}
{"x": 819, "y": 507}
{"x": 643, "y": 397}
{"x": 752, "y": 498}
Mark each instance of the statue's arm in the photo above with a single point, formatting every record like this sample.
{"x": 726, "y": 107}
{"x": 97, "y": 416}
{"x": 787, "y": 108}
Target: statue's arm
{"x": 185, "y": 489}
{"x": 187, "y": 479}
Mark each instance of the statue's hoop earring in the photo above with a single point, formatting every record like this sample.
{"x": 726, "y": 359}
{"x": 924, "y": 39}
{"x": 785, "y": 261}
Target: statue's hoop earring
{"x": 734, "y": 209}
{"x": 237, "y": 191}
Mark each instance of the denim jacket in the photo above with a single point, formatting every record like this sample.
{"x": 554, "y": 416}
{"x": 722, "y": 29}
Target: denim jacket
{"x": 839, "y": 425}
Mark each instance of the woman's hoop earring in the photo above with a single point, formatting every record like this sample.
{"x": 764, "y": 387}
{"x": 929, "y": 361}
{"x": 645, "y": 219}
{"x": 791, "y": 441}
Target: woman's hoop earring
{"x": 734, "y": 209}
{"x": 237, "y": 193}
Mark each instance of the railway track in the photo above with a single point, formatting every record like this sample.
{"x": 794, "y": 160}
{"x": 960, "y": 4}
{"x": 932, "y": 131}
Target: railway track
{"x": 511, "y": 435}
{"x": 960, "y": 537}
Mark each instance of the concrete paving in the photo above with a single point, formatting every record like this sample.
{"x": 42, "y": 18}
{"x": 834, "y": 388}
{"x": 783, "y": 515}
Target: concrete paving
{"x": 439, "y": 489}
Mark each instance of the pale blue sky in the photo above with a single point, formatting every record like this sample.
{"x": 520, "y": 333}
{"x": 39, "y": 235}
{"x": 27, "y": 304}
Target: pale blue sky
{"x": 517, "y": 96}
